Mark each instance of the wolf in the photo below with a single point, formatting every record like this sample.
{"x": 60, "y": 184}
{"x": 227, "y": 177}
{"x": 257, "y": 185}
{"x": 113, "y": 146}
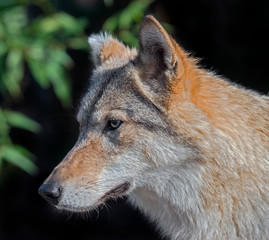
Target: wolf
{"x": 189, "y": 148}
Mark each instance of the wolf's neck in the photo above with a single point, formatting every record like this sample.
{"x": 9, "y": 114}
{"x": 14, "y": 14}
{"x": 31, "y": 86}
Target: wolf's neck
{"x": 171, "y": 200}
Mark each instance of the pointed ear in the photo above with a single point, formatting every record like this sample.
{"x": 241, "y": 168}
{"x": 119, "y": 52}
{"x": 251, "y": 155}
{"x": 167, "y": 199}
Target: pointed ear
{"x": 157, "y": 47}
{"x": 105, "y": 49}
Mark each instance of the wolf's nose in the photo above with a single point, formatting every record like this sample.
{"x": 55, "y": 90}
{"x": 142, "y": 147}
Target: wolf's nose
{"x": 51, "y": 192}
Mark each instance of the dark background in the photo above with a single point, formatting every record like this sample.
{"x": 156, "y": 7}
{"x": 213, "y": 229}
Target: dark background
{"x": 231, "y": 38}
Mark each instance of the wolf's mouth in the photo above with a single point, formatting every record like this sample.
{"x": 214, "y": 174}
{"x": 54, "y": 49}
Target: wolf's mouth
{"x": 117, "y": 191}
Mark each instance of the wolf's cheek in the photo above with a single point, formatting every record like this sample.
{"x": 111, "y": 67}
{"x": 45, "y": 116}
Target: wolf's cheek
{"x": 127, "y": 167}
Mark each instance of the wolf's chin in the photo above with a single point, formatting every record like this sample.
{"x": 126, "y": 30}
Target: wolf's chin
{"x": 74, "y": 209}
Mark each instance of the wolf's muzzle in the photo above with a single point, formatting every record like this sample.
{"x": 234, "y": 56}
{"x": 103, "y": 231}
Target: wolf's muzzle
{"x": 51, "y": 192}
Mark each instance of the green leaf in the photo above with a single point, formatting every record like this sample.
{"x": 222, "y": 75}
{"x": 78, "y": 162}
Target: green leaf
{"x": 59, "y": 55}
{"x": 15, "y": 19}
{"x": 78, "y": 43}
{"x": 134, "y": 11}
{"x": 4, "y": 128}
{"x": 39, "y": 72}
{"x": 61, "y": 24}
{"x": 61, "y": 86}
{"x": 14, "y": 58}
{"x": 60, "y": 82}
{"x": 56, "y": 70}
{"x": 36, "y": 50}
{"x": 18, "y": 156}
{"x": 37, "y": 58}
{"x": 19, "y": 120}
{"x": 3, "y": 48}
{"x": 112, "y": 23}
{"x": 9, "y": 4}
{"x": 14, "y": 72}
{"x": 129, "y": 38}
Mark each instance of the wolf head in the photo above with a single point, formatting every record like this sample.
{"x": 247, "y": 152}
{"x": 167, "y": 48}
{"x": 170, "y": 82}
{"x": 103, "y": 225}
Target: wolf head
{"x": 126, "y": 135}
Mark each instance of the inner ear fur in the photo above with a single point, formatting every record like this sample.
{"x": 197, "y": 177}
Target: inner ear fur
{"x": 159, "y": 53}
{"x": 106, "y": 48}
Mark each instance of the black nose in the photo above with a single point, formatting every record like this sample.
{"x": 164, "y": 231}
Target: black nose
{"x": 51, "y": 192}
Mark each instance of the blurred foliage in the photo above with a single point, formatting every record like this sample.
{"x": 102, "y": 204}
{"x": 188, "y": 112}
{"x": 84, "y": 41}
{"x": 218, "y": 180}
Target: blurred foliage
{"x": 125, "y": 23}
{"x": 40, "y": 45}
{"x": 10, "y": 152}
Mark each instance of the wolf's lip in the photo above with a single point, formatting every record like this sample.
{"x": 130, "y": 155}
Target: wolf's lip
{"x": 117, "y": 191}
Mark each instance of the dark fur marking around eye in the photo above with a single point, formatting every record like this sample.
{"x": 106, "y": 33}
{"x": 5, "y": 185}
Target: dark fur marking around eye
{"x": 110, "y": 75}
{"x": 113, "y": 136}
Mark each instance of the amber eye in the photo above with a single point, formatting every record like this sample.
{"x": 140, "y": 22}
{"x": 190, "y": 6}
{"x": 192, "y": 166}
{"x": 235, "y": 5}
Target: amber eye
{"x": 113, "y": 124}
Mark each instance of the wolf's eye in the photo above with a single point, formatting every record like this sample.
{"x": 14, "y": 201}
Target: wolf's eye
{"x": 113, "y": 124}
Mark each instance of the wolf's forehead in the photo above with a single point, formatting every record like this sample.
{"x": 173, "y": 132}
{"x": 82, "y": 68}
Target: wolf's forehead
{"x": 105, "y": 87}
{"x": 119, "y": 89}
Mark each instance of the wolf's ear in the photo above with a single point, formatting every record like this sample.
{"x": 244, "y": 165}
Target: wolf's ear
{"x": 157, "y": 48}
{"x": 105, "y": 48}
